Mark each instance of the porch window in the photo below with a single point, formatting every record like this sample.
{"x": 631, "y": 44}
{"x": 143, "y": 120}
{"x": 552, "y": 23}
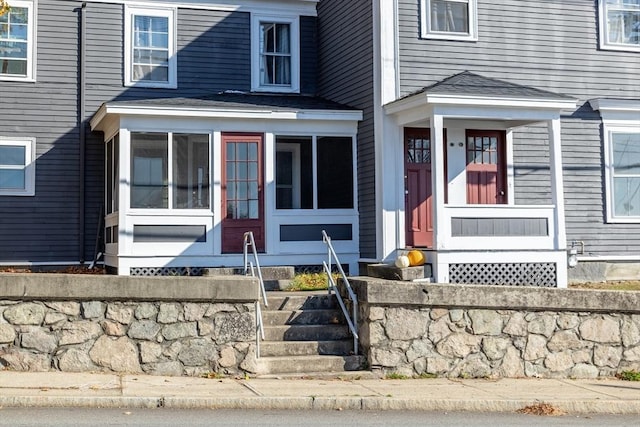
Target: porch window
{"x": 150, "y": 52}
{"x": 17, "y": 166}
{"x": 152, "y": 163}
{"x": 113, "y": 176}
{"x": 275, "y": 54}
{"x": 17, "y": 42}
{"x": 626, "y": 173}
{"x": 449, "y": 19}
{"x": 314, "y": 172}
{"x": 620, "y": 24}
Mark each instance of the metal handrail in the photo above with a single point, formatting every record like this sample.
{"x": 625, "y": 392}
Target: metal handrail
{"x": 352, "y": 320}
{"x": 249, "y": 269}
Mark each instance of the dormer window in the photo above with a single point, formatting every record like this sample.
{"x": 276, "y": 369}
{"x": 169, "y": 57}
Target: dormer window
{"x": 449, "y": 19}
{"x": 275, "y": 54}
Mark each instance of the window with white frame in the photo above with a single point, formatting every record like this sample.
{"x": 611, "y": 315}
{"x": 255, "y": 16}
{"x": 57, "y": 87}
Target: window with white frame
{"x": 275, "y": 54}
{"x": 620, "y": 24}
{"x": 314, "y": 172}
{"x": 449, "y": 19}
{"x": 624, "y": 171}
{"x": 17, "y": 166}
{"x": 169, "y": 170}
{"x": 150, "y": 47}
{"x": 17, "y": 42}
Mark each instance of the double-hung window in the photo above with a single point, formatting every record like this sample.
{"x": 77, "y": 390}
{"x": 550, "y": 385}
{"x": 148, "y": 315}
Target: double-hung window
{"x": 17, "y": 42}
{"x": 620, "y": 24}
{"x": 314, "y": 172}
{"x": 275, "y": 54}
{"x": 621, "y": 139}
{"x": 17, "y": 166}
{"x": 449, "y": 19}
{"x": 150, "y": 47}
{"x": 169, "y": 170}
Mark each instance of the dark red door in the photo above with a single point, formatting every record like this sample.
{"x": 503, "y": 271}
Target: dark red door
{"x": 418, "y": 200}
{"x": 242, "y": 191}
{"x": 486, "y": 167}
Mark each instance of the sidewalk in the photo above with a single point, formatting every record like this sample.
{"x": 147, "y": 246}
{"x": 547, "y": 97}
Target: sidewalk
{"x": 55, "y": 389}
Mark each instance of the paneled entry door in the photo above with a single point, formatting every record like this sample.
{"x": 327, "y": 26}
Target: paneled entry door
{"x": 242, "y": 190}
{"x": 486, "y": 167}
{"x": 418, "y": 200}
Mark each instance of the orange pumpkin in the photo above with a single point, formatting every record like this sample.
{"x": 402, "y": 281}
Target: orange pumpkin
{"x": 415, "y": 258}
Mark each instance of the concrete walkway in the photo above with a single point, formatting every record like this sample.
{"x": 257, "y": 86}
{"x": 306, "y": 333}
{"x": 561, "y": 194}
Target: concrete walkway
{"x": 55, "y": 389}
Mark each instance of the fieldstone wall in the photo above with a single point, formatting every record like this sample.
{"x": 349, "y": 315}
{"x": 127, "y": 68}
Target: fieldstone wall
{"x": 192, "y": 335}
{"x": 492, "y": 332}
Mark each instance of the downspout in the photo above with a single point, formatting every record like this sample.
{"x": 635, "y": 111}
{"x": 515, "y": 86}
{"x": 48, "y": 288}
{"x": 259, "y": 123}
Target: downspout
{"x": 81, "y": 127}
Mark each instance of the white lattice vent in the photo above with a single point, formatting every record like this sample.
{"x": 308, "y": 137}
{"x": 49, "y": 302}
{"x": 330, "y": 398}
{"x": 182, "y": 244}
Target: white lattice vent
{"x": 516, "y": 274}
{"x": 166, "y": 271}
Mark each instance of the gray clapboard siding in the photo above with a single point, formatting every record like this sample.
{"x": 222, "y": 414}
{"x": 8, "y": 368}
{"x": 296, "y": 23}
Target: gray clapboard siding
{"x": 345, "y": 75}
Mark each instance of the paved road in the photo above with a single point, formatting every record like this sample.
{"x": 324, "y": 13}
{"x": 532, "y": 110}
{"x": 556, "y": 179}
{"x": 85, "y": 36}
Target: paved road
{"x": 86, "y": 417}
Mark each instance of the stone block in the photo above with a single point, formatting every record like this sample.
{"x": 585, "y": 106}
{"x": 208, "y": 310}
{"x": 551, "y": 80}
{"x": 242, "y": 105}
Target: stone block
{"x": 391, "y": 272}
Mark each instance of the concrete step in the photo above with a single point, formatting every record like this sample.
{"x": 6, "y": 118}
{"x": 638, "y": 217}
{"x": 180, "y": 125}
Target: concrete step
{"x": 268, "y": 272}
{"x": 289, "y": 301}
{"x": 302, "y": 364}
{"x": 302, "y": 317}
{"x": 306, "y": 332}
{"x": 306, "y": 348}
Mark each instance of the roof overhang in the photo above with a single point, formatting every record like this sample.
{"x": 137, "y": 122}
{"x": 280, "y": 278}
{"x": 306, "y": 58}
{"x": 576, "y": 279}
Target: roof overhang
{"x": 111, "y": 110}
{"x": 617, "y": 109}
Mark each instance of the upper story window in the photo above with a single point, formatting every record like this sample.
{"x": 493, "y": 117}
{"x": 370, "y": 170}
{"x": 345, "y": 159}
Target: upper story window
{"x": 17, "y": 166}
{"x": 17, "y": 42}
{"x": 150, "y": 47}
{"x": 620, "y": 24}
{"x": 449, "y": 19}
{"x": 275, "y": 54}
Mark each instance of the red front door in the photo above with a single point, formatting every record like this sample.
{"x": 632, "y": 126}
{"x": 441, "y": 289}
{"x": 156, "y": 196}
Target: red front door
{"x": 486, "y": 167}
{"x": 417, "y": 167}
{"x": 242, "y": 191}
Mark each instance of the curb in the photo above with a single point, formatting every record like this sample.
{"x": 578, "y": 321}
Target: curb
{"x": 319, "y": 403}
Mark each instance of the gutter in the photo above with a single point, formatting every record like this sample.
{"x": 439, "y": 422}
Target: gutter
{"x": 82, "y": 130}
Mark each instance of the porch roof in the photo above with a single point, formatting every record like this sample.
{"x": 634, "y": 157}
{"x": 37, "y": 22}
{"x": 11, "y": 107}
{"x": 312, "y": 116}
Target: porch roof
{"x": 468, "y": 89}
{"x": 231, "y": 104}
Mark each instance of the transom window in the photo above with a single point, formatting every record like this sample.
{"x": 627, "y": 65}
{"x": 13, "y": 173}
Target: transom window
{"x": 620, "y": 24}
{"x": 17, "y": 42}
{"x": 314, "y": 172}
{"x": 17, "y": 166}
{"x": 275, "y": 57}
{"x": 157, "y": 156}
{"x": 150, "y": 47}
{"x": 449, "y": 19}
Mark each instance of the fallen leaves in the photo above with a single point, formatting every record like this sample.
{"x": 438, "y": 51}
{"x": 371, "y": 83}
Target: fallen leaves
{"x": 542, "y": 409}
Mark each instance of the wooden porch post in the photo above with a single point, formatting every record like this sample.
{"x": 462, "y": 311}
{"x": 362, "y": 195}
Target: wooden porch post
{"x": 557, "y": 196}
{"x": 438, "y": 182}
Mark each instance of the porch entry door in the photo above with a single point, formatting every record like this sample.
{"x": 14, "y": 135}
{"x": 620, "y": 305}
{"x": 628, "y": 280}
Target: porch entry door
{"x": 417, "y": 175}
{"x": 486, "y": 167}
{"x": 242, "y": 190}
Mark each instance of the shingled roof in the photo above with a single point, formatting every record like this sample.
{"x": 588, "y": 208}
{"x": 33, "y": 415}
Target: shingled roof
{"x": 471, "y": 84}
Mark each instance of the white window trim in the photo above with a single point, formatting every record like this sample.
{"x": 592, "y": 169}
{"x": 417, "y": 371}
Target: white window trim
{"x": 30, "y": 167}
{"x": 294, "y": 26}
{"x": 604, "y": 33}
{"x": 427, "y": 33}
{"x": 31, "y": 43}
{"x": 172, "y": 15}
{"x": 617, "y": 116}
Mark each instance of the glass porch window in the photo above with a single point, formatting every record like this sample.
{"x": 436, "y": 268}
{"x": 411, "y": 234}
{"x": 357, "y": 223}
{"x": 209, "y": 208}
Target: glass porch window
{"x": 190, "y": 171}
{"x": 149, "y": 170}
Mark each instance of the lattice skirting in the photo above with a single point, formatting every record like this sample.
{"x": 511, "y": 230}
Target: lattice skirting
{"x": 509, "y": 274}
{"x": 166, "y": 271}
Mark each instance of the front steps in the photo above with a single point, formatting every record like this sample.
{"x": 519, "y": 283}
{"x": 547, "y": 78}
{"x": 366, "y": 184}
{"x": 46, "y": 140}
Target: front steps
{"x": 306, "y": 333}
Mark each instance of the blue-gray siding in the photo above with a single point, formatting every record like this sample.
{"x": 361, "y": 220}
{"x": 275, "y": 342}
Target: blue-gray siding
{"x": 345, "y": 75}
{"x": 551, "y": 45}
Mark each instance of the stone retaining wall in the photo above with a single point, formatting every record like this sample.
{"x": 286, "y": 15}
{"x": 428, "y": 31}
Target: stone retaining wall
{"x": 50, "y": 322}
{"x": 495, "y": 332}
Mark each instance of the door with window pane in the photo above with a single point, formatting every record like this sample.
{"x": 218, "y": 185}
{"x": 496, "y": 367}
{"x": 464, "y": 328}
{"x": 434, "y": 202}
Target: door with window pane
{"x": 486, "y": 168}
{"x": 242, "y": 191}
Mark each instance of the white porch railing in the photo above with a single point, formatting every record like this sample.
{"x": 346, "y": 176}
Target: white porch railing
{"x": 498, "y": 227}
